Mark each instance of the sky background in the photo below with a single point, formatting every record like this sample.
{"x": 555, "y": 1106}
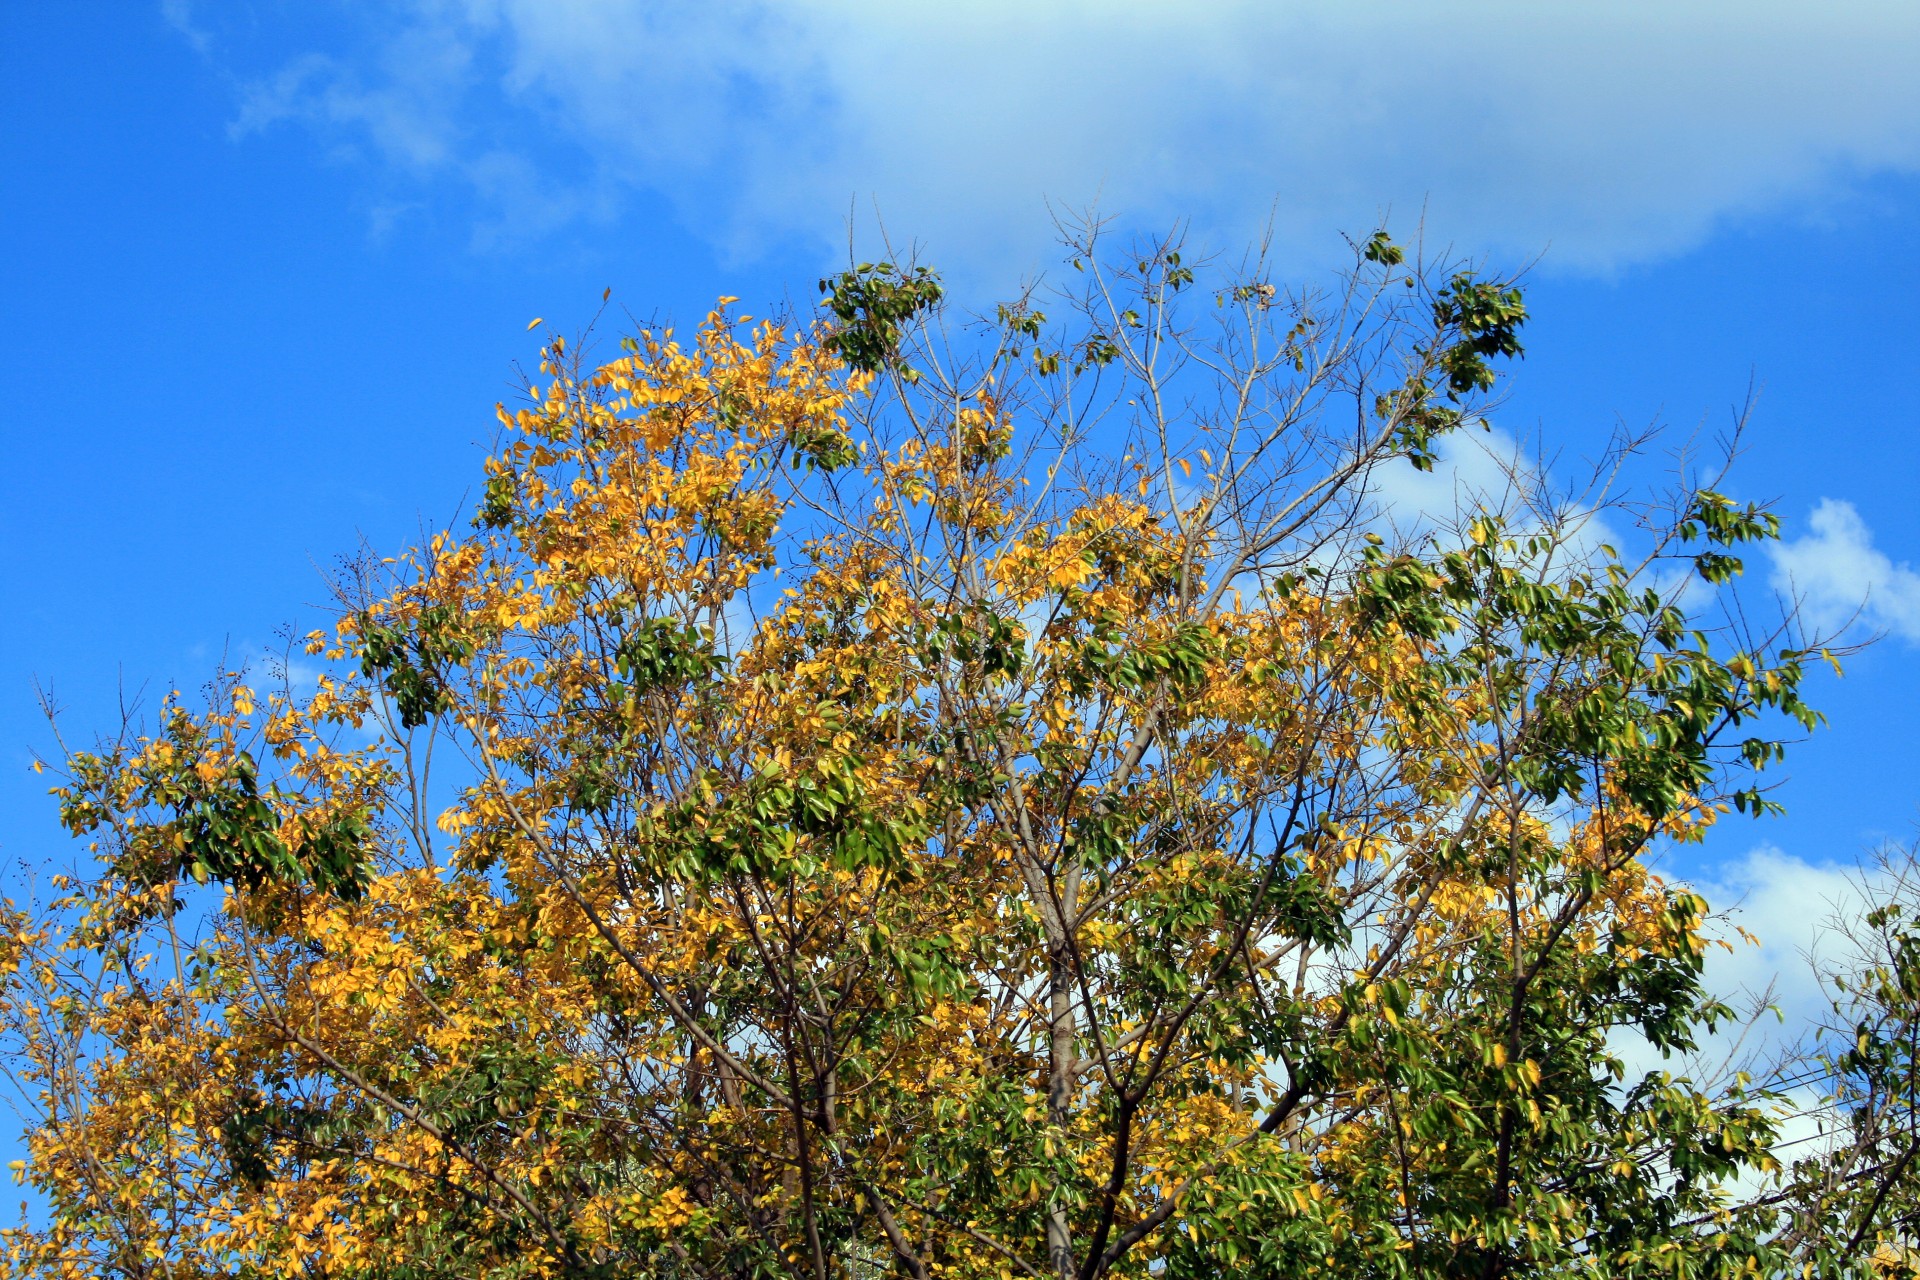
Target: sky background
{"x": 265, "y": 268}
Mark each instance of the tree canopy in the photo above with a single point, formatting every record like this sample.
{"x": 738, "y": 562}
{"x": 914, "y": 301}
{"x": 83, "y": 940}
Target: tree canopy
{"x": 909, "y": 792}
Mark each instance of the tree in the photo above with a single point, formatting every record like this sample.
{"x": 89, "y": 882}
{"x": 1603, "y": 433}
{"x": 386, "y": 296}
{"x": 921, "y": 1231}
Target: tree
{"x": 907, "y": 794}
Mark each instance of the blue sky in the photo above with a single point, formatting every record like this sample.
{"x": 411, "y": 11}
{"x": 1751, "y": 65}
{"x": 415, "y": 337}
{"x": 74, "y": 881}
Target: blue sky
{"x": 268, "y": 266}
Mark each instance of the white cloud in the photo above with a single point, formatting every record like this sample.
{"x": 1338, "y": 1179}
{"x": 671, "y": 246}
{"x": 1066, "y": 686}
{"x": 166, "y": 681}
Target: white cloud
{"x": 1799, "y": 914}
{"x": 1791, "y": 906}
{"x": 1616, "y": 132}
{"x": 1490, "y": 472}
{"x": 1793, "y": 913}
{"x": 1838, "y": 577}
{"x": 1477, "y": 471}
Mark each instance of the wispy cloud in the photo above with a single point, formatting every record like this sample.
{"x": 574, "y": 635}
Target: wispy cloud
{"x": 1614, "y": 132}
{"x": 402, "y": 120}
{"x": 1840, "y": 579}
{"x": 179, "y": 15}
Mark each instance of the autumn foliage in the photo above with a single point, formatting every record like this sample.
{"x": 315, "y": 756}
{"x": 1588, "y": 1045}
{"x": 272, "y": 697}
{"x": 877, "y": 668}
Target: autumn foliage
{"x": 895, "y": 794}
